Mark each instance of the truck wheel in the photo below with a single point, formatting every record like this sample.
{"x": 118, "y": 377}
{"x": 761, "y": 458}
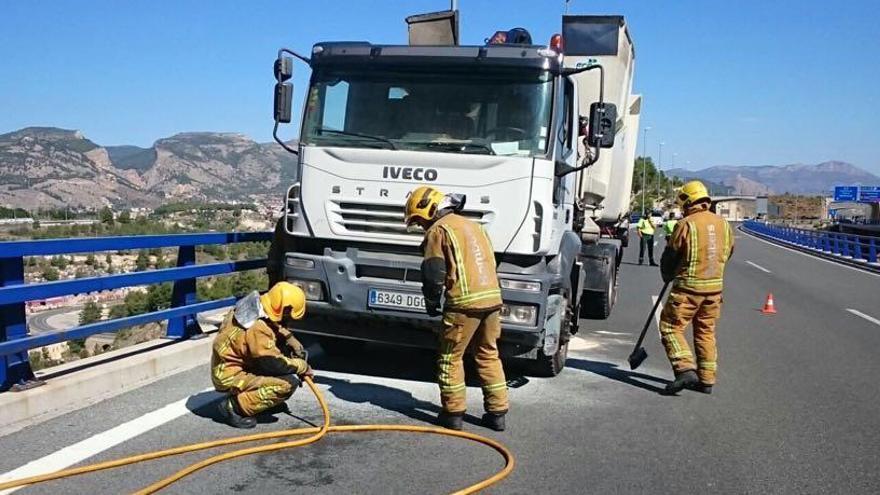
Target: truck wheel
{"x": 341, "y": 347}
{"x": 598, "y": 305}
{"x": 550, "y": 366}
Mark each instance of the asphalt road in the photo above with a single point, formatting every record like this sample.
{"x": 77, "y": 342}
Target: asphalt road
{"x": 795, "y": 409}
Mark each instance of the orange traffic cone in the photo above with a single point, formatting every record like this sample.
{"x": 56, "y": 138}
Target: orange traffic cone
{"x": 769, "y": 307}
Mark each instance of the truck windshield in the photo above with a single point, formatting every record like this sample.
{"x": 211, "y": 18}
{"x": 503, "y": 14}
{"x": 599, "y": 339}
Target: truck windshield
{"x": 475, "y": 112}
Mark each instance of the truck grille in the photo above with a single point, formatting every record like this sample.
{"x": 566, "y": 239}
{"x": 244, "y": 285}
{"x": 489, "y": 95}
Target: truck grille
{"x": 379, "y": 218}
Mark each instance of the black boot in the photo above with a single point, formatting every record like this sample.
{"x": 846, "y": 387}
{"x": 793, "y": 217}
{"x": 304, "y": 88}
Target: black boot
{"x": 452, "y": 421}
{"x": 494, "y": 421}
{"x": 277, "y": 409}
{"x": 685, "y": 379}
{"x": 232, "y": 416}
{"x": 703, "y": 388}
{"x": 652, "y": 263}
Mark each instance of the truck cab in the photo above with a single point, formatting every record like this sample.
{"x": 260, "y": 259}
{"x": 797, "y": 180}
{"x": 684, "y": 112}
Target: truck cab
{"x": 496, "y": 123}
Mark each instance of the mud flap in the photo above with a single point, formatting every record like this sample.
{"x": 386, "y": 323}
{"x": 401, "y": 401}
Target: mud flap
{"x": 553, "y": 324}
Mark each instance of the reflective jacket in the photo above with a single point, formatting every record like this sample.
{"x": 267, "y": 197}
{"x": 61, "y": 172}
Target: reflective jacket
{"x": 460, "y": 260}
{"x": 645, "y": 226}
{"x": 255, "y": 350}
{"x": 669, "y": 227}
{"x": 695, "y": 257}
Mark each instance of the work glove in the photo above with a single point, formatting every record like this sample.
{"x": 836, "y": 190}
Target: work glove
{"x": 432, "y": 308}
{"x": 308, "y": 373}
{"x": 293, "y": 346}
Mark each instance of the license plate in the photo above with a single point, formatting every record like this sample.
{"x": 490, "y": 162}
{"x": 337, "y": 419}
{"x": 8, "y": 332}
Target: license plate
{"x": 404, "y": 301}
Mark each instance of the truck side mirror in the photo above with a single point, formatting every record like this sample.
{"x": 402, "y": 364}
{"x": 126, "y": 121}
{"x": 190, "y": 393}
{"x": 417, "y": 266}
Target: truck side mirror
{"x": 283, "y": 102}
{"x": 603, "y": 117}
{"x": 283, "y": 90}
{"x": 283, "y": 68}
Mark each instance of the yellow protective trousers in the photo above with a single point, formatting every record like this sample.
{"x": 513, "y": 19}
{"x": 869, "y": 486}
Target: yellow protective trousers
{"x": 256, "y": 393}
{"x": 480, "y": 330}
{"x": 703, "y": 311}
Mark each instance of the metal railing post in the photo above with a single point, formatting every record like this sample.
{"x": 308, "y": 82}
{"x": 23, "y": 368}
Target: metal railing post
{"x": 14, "y": 368}
{"x": 872, "y": 251}
{"x": 836, "y": 247}
{"x": 184, "y": 293}
{"x": 858, "y": 253}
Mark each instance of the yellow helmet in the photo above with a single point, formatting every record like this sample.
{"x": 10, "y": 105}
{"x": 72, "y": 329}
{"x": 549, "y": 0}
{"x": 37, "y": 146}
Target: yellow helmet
{"x": 422, "y": 203}
{"x": 281, "y": 296}
{"x": 690, "y": 193}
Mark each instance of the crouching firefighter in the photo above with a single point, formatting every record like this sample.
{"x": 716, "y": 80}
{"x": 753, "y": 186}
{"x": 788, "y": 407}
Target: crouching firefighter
{"x": 460, "y": 262}
{"x": 255, "y": 359}
{"x": 693, "y": 261}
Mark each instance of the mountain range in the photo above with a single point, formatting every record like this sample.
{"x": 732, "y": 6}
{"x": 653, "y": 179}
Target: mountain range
{"x": 48, "y": 167}
{"x": 764, "y": 180}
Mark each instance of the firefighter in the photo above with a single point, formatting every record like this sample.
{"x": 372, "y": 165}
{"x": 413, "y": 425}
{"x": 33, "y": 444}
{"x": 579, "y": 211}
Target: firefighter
{"x": 645, "y": 229}
{"x": 255, "y": 359}
{"x": 459, "y": 263}
{"x": 669, "y": 226}
{"x": 694, "y": 262}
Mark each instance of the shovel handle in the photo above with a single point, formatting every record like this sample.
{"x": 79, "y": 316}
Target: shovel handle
{"x": 651, "y": 316}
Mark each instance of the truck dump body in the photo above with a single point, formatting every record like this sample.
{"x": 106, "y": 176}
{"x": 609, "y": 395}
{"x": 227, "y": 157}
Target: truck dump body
{"x": 605, "y": 40}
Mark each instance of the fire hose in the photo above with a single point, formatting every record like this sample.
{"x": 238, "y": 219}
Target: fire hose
{"x": 314, "y": 434}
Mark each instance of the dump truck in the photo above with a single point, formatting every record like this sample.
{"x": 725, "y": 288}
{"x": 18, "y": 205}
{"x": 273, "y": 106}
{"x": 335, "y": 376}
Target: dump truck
{"x": 539, "y": 138}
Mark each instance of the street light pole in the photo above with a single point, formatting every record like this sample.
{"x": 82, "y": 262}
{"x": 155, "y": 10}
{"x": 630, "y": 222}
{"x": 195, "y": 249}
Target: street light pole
{"x": 644, "y": 165}
{"x": 659, "y": 166}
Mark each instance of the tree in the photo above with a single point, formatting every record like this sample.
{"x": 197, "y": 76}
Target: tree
{"x": 90, "y": 259}
{"x": 90, "y": 313}
{"x": 125, "y": 217}
{"x": 36, "y": 224}
{"x": 50, "y": 273}
{"x": 142, "y": 261}
{"x": 118, "y": 311}
{"x": 108, "y": 259}
{"x": 59, "y": 262}
{"x": 106, "y": 216}
{"x": 80, "y": 273}
{"x": 159, "y": 296}
{"x": 136, "y": 303}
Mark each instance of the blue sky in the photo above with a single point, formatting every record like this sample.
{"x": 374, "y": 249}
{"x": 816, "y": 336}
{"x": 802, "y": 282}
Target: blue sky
{"x": 743, "y": 82}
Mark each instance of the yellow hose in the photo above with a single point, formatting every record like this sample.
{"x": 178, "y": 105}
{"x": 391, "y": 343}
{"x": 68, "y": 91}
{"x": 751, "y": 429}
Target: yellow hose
{"x": 315, "y": 435}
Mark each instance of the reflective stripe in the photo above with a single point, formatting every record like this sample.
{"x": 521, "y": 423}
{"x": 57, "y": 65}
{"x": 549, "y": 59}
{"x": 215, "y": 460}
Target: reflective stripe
{"x": 708, "y": 365}
{"x": 232, "y": 335}
{"x": 494, "y": 386}
{"x": 476, "y": 296}
{"x": 461, "y": 278}
{"x": 681, "y": 354}
{"x": 694, "y": 251}
{"x": 451, "y": 389}
{"x": 726, "y": 252}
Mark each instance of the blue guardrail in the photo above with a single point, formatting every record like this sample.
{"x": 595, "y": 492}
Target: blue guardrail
{"x": 848, "y": 247}
{"x": 14, "y": 293}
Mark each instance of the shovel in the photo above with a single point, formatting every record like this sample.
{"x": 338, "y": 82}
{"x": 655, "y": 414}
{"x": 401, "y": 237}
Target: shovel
{"x": 639, "y": 354}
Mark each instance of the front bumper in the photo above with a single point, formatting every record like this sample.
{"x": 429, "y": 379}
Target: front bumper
{"x": 348, "y": 276}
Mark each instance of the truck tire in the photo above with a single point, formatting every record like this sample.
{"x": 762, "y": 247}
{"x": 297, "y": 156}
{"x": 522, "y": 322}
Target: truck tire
{"x": 333, "y": 346}
{"x": 598, "y": 305}
{"x": 550, "y": 366}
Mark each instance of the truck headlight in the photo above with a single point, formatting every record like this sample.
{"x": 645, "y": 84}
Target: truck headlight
{"x": 526, "y": 285}
{"x": 300, "y": 263}
{"x": 314, "y": 290}
{"x": 519, "y": 314}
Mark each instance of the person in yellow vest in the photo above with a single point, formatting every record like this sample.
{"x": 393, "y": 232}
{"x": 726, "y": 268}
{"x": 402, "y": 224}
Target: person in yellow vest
{"x": 255, "y": 360}
{"x": 693, "y": 262}
{"x": 459, "y": 265}
{"x": 669, "y": 226}
{"x": 645, "y": 229}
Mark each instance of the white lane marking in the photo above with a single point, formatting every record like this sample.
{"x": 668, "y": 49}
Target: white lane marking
{"x": 863, "y": 315}
{"x": 759, "y": 267}
{"x": 100, "y": 442}
{"x": 841, "y": 265}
